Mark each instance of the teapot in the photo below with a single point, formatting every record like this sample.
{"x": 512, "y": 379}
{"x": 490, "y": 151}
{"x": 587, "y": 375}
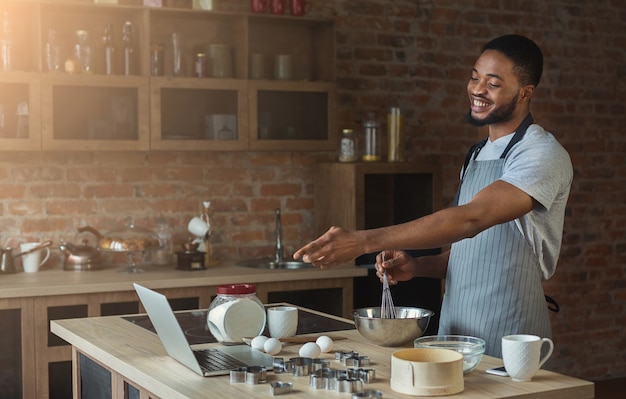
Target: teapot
{"x": 82, "y": 256}
{"x": 7, "y": 265}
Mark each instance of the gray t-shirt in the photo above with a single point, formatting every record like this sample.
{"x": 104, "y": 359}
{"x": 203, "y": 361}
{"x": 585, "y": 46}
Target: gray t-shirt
{"x": 542, "y": 168}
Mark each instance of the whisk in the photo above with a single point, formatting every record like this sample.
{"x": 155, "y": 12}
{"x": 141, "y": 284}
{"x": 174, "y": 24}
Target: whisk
{"x": 387, "y": 310}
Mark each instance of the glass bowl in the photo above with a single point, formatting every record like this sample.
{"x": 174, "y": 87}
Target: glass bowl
{"x": 471, "y": 348}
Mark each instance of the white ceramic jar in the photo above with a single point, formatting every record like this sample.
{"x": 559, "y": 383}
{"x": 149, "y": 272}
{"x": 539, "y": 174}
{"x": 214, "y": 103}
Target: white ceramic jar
{"x": 235, "y": 313}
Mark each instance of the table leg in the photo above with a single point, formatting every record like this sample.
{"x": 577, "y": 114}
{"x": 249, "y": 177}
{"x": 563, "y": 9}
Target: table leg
{"x": 75, "y": 373}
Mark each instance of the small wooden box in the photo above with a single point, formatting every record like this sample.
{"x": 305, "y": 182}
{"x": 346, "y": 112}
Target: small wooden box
{"x": 190, "y": 260}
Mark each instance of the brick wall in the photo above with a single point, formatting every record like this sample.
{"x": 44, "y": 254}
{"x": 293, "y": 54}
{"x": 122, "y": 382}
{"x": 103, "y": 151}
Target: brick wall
{"x": 416, "y": 54}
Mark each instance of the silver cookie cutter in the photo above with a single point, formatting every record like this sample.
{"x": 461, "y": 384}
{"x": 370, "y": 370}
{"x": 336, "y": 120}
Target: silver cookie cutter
{"x": 256, "y": 375}
{"x": 356, "y": 361}
{"x": 319, "y": 364}
{"x": 349, "y": 385}
{"x": 238, "y": 375}
{"x": 279, "y": 365}
{"x": 341, "y": 355}
{"x": 317, "y": 381}
{"x": 371, "y": 394}
{"x": 302, "y": 366}
{"x": 250, "y": 375}
{"x": 280, "y": 388}
{"x": 367, "y": 375}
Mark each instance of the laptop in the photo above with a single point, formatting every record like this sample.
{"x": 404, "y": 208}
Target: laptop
{"x": 206, "y": 362}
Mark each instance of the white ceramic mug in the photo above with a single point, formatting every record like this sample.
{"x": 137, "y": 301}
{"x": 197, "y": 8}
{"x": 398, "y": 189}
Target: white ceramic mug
{"x": 32, "y": 261}
{"x": 282, "y": 321}
{"x": 198, "y": 227}
{"x": 522, "y": 355}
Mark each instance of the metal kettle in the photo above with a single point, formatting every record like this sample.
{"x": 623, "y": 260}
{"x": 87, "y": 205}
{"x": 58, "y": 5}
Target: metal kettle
{"x": 83, "y": 256}
{"x": 7, "y": 265}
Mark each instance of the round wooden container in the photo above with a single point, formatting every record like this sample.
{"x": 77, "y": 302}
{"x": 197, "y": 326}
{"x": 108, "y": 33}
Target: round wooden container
{"x": 427, "y": 372}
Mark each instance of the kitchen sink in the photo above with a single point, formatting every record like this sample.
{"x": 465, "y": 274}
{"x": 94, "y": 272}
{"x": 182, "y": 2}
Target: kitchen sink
{"x": 272, "y": 264}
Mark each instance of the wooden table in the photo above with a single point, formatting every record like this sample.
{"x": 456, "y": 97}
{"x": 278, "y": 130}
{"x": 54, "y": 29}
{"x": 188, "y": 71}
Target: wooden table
{"x": 135, "y": 356}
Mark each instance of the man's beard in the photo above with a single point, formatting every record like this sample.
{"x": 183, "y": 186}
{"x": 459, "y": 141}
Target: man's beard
{"x": 503, "y": 113}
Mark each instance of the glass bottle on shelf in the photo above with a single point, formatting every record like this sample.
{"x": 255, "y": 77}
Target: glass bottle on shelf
{"x": 6, "y": 43}
{"x": 108, "y": 50}
{"x": 52, "y": 52}
{"x": 371, "y": 150}
{"x": 156, "y": 60}
{"x": 82, "y": 51}
{"x": 201, "y": 65}
{"x": 347, "y": 146}
{"x": 177, "y": 54}
{"x": 395, "y": 134}
{"x": 129, "y": 49}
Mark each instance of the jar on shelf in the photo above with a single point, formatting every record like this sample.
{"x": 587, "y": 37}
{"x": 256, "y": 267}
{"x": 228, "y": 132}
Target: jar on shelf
{"x": 156, "y": 59}
{"x": 347, "y": 146}
{"x": 235, "y": 313}
{"x": 395, "y": 133}
{"x": 52, "y": 50}
{"x": 372, "y": 140}
{"x": 82, "y": 51}
{"x": 108, "y": 50}
{"x": 200, "y": 65}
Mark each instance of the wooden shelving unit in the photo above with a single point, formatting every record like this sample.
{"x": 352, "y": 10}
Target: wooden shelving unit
{"x": 142, "y": 112}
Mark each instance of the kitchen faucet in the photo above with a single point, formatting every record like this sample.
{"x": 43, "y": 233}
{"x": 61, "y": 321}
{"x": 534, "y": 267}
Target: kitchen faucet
{"x": 278, "y": 255}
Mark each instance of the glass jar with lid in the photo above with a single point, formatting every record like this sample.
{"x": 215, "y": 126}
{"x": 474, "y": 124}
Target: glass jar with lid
{"x": 372, "y": 140}
{"x": 133, "y": 241}
{"x": 235, "y": 313}
{"x": 347, "y": 146}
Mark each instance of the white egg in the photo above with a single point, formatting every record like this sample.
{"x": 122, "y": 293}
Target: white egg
{"x": 310, "y": 349}
{"x": 258, "y": 342}
{"x": 272, "y": 346}
{"x": 325, "y": 343}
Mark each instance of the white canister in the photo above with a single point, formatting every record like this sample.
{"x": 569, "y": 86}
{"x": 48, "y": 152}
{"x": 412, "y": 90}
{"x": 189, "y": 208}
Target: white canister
{"x": 236, "y": 313}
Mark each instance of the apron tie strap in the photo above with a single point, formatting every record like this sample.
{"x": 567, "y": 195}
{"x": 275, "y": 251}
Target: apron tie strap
{"x": 555, "y": 306}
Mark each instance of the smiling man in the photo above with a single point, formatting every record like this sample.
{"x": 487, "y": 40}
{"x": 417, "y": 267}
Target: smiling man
{"x": 506, "y": 229}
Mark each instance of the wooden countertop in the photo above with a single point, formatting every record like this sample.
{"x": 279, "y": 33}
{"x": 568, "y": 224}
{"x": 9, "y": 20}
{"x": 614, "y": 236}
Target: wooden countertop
{"x": 138, "y": 355}
{"x": 60, "y": 282}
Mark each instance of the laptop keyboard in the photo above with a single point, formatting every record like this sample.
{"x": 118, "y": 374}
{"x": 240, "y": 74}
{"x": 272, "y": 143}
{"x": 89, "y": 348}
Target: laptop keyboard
{"x": 216, "y": 360}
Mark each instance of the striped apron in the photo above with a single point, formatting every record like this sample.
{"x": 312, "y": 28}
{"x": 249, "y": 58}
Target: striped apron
{"x": 493, "y": 284}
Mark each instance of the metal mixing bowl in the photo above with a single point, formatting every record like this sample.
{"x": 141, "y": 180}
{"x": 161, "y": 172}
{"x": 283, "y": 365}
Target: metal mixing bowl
{"x": 471, "y": 348}
{"x": 410, "y": 323}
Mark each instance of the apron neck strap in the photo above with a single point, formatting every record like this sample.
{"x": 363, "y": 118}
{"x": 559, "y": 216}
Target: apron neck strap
{"x": 475, "y": 149}
{"x": 519, "y": 133}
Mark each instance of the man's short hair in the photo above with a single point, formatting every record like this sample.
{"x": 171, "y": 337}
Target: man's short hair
{"x": 525, "y": 54}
